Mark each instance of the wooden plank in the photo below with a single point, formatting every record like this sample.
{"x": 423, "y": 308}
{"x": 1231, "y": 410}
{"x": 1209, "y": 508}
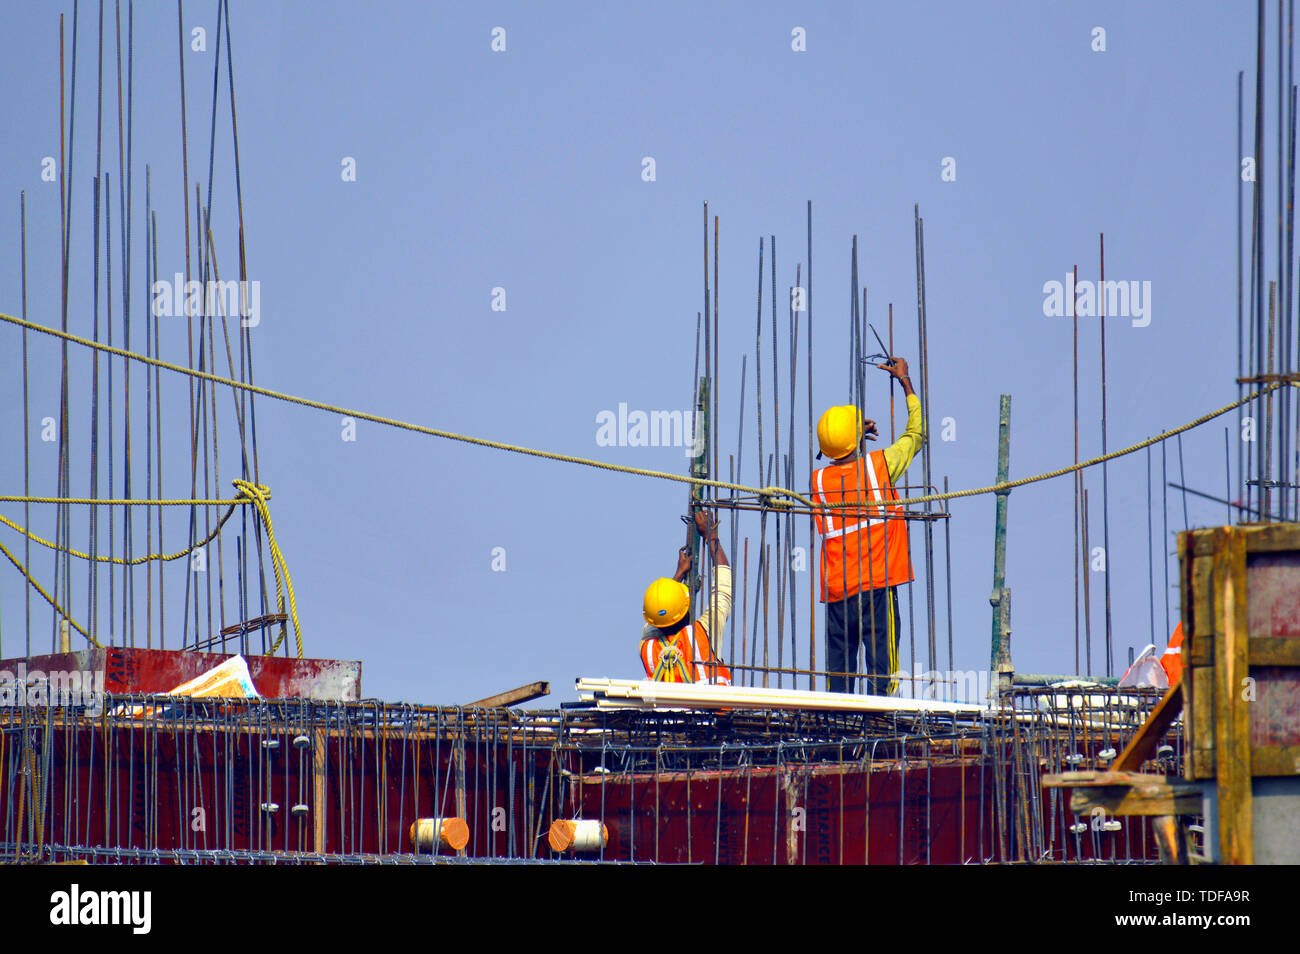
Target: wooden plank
{"x": 1275, "y": 760}
{"x": 1203, "y": 618}
{"x": 1231, "y": 710}
{"x": 1145, "y": 740}
{"x": 458, "y": 757}
{"x": 1149, "y": 801}
{"x": 1199, "y": 744}
{"x": 1199, "y": 543}
{"x": 1200, "y": 763}
{"x": 1199, "y": 651}
{"x": 1108, "y": 777}
{"x": 1171, "y": 839}
{"x": 320, "y": 781}
{"x": 1274, "y": 651}
{"x": 1128, "y": 793}
{"x": 512, "y": 697}
{"x": 1274, "y": 536}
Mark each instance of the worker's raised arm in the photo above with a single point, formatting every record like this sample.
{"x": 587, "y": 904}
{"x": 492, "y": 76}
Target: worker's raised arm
{"x": 899, "y": 454}
{"x": 707, "y": 527}
{"x": 718, "y": 603}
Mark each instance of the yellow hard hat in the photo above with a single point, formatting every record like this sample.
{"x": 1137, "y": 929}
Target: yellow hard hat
{"x": 666, "y": 602}
{"x": 839, "y": 431}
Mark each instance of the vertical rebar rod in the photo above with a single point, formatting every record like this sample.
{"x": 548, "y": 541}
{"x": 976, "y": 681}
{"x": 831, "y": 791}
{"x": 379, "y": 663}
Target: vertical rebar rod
{"x": 747, "y": 678}
{"x": 1281, "y": 243}
{"x": 1077, "y": 475}
{"x": 1257, "y": 239}
{"x": 125, "y": 152}
{"x": 812, "y": 562}
{"x": 715, "y": 431}
{"x": 1288, "y": 294}
{"x": 1164, "y": 534}
{"x": 1241, "y": 372}
{"x": 1289, "y": 276}
{"x": 92, "y": 565}
{"x": 1087, "y": 588}
{"x": 1266, "y": 474}
{"x": 790, "y": 482}
{"x": 1151, "y": 573}
{"x": 923, "y": 344}
{"x": 1105, "y": 473}
{"x": 157, "y": 417}
{"x": 27, "y": 448}
{"x": 1286, "y": 449}
{"x": 947, "y": 558}
{"x": 782, "y": 566}
{"x": 149, "y": 348}
{"x": 1227, "y": 473}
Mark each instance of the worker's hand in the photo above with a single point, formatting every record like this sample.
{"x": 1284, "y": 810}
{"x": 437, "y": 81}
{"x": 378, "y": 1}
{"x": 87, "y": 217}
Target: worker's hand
{"x": 706, "y": 524}
{"x": 683, "y": 564}
{"x": 897, "y": 367}
{"x": 869, "y": 429}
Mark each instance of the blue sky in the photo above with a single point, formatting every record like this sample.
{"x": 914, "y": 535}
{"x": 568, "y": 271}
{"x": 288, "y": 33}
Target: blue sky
{"x": 522, "y": 170}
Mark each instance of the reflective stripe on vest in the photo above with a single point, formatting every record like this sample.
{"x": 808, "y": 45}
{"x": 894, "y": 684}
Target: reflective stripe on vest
{"x": 668, "y": 659}
{"x": 870, "y": 521}
{"x": 665, "y": 661}
{"x": 850, "y": 563}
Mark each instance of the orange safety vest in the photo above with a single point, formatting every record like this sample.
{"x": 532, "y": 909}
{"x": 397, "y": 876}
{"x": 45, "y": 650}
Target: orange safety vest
{"x": 1172, "y": 660}
{"x": 853, "y": 561}
{"x": 676, "y": 659}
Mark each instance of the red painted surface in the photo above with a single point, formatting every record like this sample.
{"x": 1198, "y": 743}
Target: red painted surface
{"x": 143, "y": 786}
{"x": 1273, "y": 610}
{"x": 161, "y": 670}
{"x": 889, "y": 813}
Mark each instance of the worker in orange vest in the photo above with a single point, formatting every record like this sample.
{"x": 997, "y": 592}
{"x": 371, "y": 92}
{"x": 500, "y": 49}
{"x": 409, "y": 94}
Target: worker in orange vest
{"x": 864, "y": 553}
{"x": 675, "y": 647}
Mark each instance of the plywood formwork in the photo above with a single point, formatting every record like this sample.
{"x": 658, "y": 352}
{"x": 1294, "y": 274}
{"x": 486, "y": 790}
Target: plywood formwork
{"x": 1241, "y": 616}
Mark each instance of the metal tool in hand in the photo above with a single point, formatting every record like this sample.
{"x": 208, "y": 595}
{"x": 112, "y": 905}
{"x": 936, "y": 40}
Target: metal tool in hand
{"x": 884, "y": 354}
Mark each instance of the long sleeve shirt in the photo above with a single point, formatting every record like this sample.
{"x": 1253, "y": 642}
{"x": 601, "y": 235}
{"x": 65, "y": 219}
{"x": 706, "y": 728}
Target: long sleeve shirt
{"x": 899, "y": 454}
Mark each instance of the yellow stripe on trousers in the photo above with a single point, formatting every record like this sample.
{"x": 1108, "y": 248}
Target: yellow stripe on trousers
{"x": 892, "y": 635}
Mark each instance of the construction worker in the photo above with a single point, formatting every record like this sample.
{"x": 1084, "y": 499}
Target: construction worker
{"x": 675, "y": 647}
{"x": 864, "y": 553}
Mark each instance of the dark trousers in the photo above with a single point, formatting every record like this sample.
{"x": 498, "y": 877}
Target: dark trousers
{"x": 870, "y": 618}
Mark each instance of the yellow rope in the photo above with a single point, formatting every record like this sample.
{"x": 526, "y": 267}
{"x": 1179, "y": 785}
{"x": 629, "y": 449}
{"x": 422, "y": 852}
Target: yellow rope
{"x": 255, "y": 494}
{"x": 774, "y": 495}
{"x": 404, "y": 425}
{"x": 124, "y": 502}
{"x": 134, "y": 561}
{"x": 259, "y": 495}
{"x": 49, "y": 599}
{"x": 1071, "y": 468}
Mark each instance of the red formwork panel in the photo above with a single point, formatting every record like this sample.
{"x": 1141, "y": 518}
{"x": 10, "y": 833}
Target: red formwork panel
{"x": 129, "y": 670}
{"x": 292, "y": 777}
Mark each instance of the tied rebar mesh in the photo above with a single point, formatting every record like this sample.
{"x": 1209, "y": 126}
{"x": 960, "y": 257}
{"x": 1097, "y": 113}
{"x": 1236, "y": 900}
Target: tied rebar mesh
{"x": 173, "y": 780}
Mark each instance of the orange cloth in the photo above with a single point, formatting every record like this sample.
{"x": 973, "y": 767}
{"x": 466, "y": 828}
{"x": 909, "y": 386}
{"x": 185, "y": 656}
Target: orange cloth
{"x": 1172, "y": 660}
